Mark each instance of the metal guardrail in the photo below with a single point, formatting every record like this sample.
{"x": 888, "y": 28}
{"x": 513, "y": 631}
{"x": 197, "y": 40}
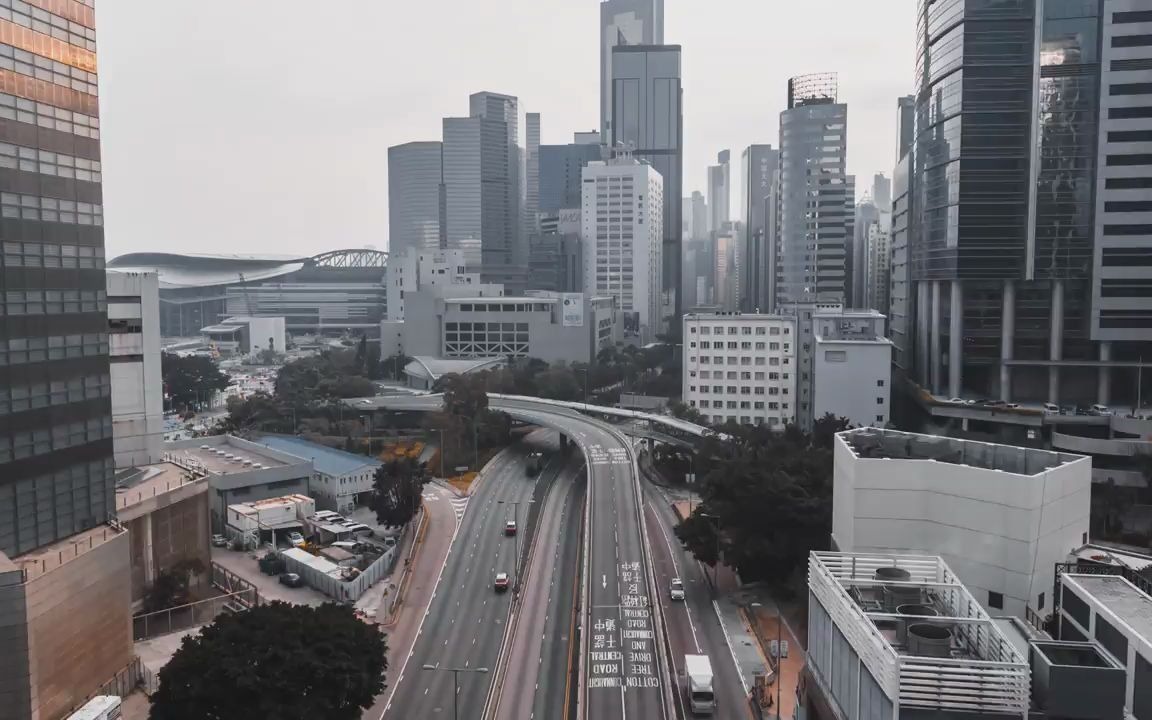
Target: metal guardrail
{"x": 182, "y": 617}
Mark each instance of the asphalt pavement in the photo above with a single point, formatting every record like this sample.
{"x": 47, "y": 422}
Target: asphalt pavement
{"x": 693, "y": 627}
{"x": 465, "y": 623}
{"x": 535, "y": 678}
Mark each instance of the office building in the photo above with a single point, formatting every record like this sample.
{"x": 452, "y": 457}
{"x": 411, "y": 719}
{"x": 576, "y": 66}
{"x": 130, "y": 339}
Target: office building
{"x": 1002, "y": 516}
{"x": 134, "y": 350}
{"x": 440, "y": 272}
{"x": 415, "y": 196}
{"x": 759, "y": 174}
{"x": 586, "y": 137}
{"x": 334, "y": 293}
{"x": 561, "y": 168}
{"x": 851, "y": 373}
{"x": 647, "y": 120}
{"x": 482, "y": 189}
{"x": 720, "y": 191}
{"x": 866, "y": 216}
{"x": 553, "y": 327}
{"x": 726, "y": 287}
{"x": 905, "y": 124}
{"x": 1030, "y": 283}
{"x": 901, "y": 300}
{"x": 1113, "y": 608}
{"x": 622, "y": 228}
{"x": 624, "y": 22}
{"x": 697, "y": 251}
{"x": 815, "y": 198}
{"x": 341, "y": 481}
{"x": 531, "y": 172}
{"x": 55, "y": 414}
{"x": 740, "y": 368}
{"x": 556, "y": 255}
{"x": 900, "y": 637}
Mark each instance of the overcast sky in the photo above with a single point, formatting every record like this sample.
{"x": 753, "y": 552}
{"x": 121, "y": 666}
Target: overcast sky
{"x": 263, "y": 127}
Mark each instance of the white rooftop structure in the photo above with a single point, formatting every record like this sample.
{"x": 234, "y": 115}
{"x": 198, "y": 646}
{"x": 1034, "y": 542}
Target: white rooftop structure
{"x": 924, "y": 640}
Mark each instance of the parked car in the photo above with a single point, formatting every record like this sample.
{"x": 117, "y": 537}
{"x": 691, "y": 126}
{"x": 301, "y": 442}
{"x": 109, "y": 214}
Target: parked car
{"x": 292, "y": 580}
{"x": 219, "y": 541}
{"x": 957, "y": 400}
{"x": 1100, "y": 410}
{"x": 1011, "y": 406}
{"x": 1051, "y": 408}
{"x": 501, "y": 582}
{"x": 510, "y": 527}
{"x": 296, "y": 539}
{"x": 676, "y": 591}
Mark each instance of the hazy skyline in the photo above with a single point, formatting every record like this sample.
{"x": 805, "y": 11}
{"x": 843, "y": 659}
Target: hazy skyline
{"x": 263, "y": 127}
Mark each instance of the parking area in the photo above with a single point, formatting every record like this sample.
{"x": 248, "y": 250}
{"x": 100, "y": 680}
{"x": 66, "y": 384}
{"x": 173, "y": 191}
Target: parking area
{"x": 245, "y": 565}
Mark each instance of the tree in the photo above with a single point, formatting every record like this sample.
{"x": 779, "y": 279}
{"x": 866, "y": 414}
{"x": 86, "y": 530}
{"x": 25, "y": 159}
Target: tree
{"x": 170, "y": 588}
{"x": 766, "y": 497}
{"x": 397, "y": 490}
{"x": 686, "y": 412}
{"x": 826, "y": 427}
{"x": 258, "y": 411}
{"x": 290, "y": 662}
{"x": 464, "y": 395}
{"x": 192, "y": 378}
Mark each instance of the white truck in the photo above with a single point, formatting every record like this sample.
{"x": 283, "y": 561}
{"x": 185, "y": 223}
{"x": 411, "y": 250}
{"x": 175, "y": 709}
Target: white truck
{"x": 698, "y": 678}
{"x": 101, "y": 707}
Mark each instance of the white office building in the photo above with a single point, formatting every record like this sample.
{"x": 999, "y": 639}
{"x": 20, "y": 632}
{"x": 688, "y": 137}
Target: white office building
{"x": 134, "y": 350}
{"x": 1002, "y": 516}
{"x": 851, "y": 367}
{"x": 622, "y": 226}
{"x": 740, "y": 368}
{"x": 439, "y": 272}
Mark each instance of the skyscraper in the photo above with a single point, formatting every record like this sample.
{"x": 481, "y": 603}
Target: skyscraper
{"x": 1030, "y": 238}
{"x": 482, "y": 189}
{"x": 531, "y": 170}
{"x": 622, "y": 217}
{"x": 759, "y": 165}
{"x": 561, "y": 167}
{"x": 647, "y": 119}
{"x": 415, "y": 196}
{"x": 720, "y": 191}
{"x": 56, "y": 456}
{"x": 815, "y": 206}
{"x": 624, "y": 22}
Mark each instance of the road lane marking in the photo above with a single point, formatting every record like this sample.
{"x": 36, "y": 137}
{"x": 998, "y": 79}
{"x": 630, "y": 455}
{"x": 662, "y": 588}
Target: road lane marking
{"x": 676, "y": 570}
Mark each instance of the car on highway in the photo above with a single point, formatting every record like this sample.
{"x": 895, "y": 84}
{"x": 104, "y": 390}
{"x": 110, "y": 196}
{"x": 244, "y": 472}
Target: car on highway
{"x": 676, "y": 591}
{"x": 291, "y": 580}
{"x": 501, "y": 582}
{"x": 510, "y": 527}
{"x": 219, "y": 541}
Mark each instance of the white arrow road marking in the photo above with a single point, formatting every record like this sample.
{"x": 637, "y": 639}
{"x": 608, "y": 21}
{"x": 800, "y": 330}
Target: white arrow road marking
{"x": 604, "y": 581}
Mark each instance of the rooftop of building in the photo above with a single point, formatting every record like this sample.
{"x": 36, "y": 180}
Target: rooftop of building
{"x": 879, "y": 444}
{"x": 733, "y": 316}
{"x": 433, "y": 368}
{"x": 56, "y": 555}
{"x": 325, "y": 460}
{"x": 221, "y": 454}
{"x": 284, "y": 501}
{"x": 1130, "y": 606}
{"x": 920, "y": 631}
{"x": 138, "y": 484}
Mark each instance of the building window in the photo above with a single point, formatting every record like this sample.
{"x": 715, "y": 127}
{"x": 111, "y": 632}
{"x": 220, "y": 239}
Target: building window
{"x": 879, "y": 401}
{"x": 1040, "y": 601}
{"x": 996, "y": 600}
{"x": 879, "y": 418}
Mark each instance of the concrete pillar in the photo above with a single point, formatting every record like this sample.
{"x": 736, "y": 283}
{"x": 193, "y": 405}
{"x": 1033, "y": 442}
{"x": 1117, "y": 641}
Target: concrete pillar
{"x": 1104, "y": 378}
{"x": 1007, "y": 331}
{"x": 934, "y": 374}
{"x": 923, "y": 332}
{"x": 149, "y": 557}
{"x": 1056, "y": 340}
{"x": 955, "y": 338}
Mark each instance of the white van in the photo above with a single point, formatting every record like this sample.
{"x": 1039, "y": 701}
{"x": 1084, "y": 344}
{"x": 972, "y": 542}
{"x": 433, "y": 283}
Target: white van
{"x": 360, "y": 529}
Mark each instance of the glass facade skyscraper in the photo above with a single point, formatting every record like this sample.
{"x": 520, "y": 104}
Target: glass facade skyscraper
{"x": 415, "y": 196}
{"x": 56, "y": 461}
{"x": 647, "y": 120}
{"x": 1012, "y": 172}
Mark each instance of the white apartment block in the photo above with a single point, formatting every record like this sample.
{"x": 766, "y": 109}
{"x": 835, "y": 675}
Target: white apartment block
{"x": 134, "y": 363}
{"x": 1000, "y": 515}
{"x": 741, "y": 368}
{"x": 851, "y": 367}
{"x": 622, "y": 227}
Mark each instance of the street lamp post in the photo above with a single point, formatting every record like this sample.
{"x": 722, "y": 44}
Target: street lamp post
{"x": 456, "y": 683}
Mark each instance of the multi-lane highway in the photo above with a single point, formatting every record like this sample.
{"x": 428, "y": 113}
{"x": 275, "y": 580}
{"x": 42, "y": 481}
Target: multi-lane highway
{"x": 693, "y": 627}
{"x": 465, "y": 622}
{"x": 623, "y": 666}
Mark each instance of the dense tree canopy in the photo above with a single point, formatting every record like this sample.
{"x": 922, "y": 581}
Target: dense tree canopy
{"x": 191, "y": 379}
{"x": 290, "y": 662}
{"x": 766, "y": 497}
{"x": 396, "y": 491}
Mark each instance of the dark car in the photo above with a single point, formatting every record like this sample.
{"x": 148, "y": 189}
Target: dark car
{"x": 292, "y": 580}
